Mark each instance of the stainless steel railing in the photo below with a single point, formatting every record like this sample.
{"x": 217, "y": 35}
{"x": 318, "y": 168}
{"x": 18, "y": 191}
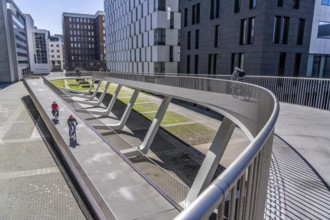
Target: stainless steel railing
{"x": 240, "y": 191}
{"x": 312, "y": 92}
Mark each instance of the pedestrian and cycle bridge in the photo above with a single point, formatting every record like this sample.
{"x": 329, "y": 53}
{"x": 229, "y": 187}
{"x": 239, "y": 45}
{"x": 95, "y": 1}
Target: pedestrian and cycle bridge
{"x": 116, "y": 189}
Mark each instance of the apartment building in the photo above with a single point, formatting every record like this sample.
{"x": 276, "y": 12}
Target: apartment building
{"x": 56, "y": 53}
{"x": 14, "y": 61}
{"x": 84, "y": 41}
{"x": 261, "y": 36}
{"x": 142, "y": 36}
{"x": 38, "y": 42}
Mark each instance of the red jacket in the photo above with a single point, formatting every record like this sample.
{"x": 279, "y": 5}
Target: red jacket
{"x": 54, "y": 106}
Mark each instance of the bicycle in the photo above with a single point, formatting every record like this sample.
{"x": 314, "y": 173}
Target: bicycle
{"x": 72, "y": 132}
{"x": 241, "y": 90}
{"x": 55, "y": 114}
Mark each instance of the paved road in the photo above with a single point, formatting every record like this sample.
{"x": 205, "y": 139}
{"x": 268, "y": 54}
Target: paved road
{"x": 32, "y": 185}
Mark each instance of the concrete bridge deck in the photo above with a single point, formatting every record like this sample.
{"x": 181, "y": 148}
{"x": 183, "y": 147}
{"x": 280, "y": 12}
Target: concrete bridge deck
{"x": 119, "y": 190}
{"x": 299, "y": 181}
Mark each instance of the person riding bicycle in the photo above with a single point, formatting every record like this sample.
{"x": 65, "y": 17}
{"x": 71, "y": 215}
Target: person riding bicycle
{"x": 72, "y": 122}
{"x": 55, "y": 109}
{"x": 238, "y": 75}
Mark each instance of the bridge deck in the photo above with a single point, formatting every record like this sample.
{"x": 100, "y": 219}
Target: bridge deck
{"x": 112, "y": 181}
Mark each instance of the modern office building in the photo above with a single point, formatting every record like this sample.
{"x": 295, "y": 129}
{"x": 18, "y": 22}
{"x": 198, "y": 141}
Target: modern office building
{"x": 56, "y": 53}
{"x": 14, "y": 61}
{"x": 142, "y": 36}
{"x": 280, "y": 38}
{"x": 319, "y": 51}
{"x": 84, "y": 41}
{"x": 38, "y": 42}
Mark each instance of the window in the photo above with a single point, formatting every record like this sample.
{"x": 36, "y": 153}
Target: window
{"x": 277, "y": 29}
{"x": 212, "y": 64}
{"x": 300, "y": 35}
{"x": 279, "y": 3}
{"x": 237, "y": 6}
{"x": 281, "y": 30}
{"x": 286, "y": 21}
{"x": 159, "y": 5}
{"x": 188, "y": 40}
{"x": 215, "y": 9}
{"x": 171, "y": 53}
{"x": 296, "y": 4}
{"x": 188, "y": 64}
{"x": 253, "y": 4}
{"x": 325, "y": 2}
{"x": 196, "y": 64}
{"x": 281, "y": 64}
{"x": 171, "y": 20}
{"x": 159, "y": 36}
{"x": 324, "y": 30}
{"x": 243, "y": 32}
{"x": 247, "y": 31}
{"x": 250, "y": 36}
{"x": 196, "y": 14}
{"x": 196, "y": 39}
{"x": 159, "y": 67}
{"x": 237, "y": 60}
{"x": 296, "y": 67}
{"x": 216, "y": 35}
{"x": 185, "y": 17}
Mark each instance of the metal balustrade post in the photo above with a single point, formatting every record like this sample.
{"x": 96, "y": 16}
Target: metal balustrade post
{"x": 111, "y": 104}
{"x": 120, "y": 125}
{"x": 212, "y": 159}
{"x": 99, "y": 102}
{"x": 103, "y": 94}
{"x": 91, "y": 87}
{"x": 145, "y": 146}
{"x": 96, "y": 90}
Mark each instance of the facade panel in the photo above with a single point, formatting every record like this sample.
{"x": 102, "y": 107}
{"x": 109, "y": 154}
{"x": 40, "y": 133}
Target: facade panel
{"x": 139, "y": 29}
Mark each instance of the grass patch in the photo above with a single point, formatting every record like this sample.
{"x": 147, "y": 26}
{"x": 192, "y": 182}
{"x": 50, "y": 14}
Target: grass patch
{"x": 193, "y": 134}
{"x": 58, "y": 83}
{"x": 147, "y": 107}
{"x": 138, "y": 100}
{"x": 169, "y": 118}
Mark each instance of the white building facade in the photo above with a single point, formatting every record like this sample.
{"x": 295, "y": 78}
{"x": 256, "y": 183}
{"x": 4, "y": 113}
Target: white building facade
{"x": 38, "y": 47}
{"x": 319, "y": 51}
{"x": 142, "y": 36}
{"x": 56, "y": 53}
{"x": 14, "y": 61}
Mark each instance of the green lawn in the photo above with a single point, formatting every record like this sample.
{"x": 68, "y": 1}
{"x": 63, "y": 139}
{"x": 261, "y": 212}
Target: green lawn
{"x": 146, "y": 107}
{"x": 193, "y": 134}
{"x": 58, "y": 83}
{"x": 169, "y": 118}
{"x": 138, "y": 100}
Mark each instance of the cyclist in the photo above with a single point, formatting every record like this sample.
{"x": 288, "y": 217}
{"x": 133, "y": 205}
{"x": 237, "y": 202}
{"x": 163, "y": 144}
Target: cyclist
{"x": 72, "y": 122}
{"x": 55, "y": 110}
{"x": 238, "y": 75}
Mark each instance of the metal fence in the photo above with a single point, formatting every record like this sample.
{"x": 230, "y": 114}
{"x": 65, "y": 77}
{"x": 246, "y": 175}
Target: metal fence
{"x": 312, "y": 92}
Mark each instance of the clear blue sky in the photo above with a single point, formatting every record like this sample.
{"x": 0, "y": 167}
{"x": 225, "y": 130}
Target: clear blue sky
{"x": 47, "y": 14}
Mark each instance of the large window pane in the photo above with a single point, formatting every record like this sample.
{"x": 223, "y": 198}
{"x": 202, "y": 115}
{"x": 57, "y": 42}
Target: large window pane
{"x": 324, "y": 30}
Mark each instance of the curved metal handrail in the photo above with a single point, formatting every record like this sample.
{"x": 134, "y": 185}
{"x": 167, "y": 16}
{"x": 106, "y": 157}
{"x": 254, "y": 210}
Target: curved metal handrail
{"x": 246, "y": 178}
